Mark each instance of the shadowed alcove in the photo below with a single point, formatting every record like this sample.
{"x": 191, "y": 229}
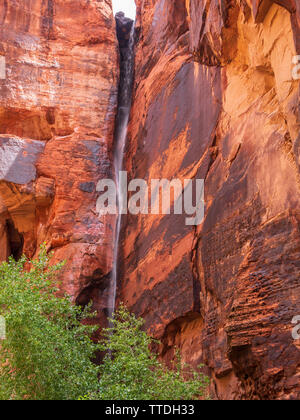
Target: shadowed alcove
{"x": 15, "y": 240}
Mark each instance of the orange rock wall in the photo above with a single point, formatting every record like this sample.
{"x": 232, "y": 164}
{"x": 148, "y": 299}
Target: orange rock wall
{"x": 214, "y": 99}
{"x": 57, "y": 111}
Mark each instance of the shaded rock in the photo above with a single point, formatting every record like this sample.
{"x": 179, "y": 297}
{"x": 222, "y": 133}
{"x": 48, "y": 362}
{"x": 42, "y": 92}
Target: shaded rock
{"x": 124, "y": 25}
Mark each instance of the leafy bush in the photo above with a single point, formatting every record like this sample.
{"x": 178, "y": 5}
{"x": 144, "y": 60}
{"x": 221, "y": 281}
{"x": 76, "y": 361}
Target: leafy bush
{"x": 47, "y": 353}
{"x": 130, "y": 371}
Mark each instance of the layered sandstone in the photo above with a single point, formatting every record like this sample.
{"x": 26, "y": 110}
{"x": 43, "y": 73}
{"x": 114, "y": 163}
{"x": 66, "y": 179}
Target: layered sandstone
{"x": 57, "y": 111}
{"x": 214, "y": 98}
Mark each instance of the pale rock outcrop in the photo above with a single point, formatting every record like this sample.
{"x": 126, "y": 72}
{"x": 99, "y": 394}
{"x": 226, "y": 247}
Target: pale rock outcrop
{"x": 57, "y": 110}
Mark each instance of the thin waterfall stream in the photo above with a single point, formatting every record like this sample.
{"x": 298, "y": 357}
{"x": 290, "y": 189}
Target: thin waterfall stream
{"x": 124, "y": 106}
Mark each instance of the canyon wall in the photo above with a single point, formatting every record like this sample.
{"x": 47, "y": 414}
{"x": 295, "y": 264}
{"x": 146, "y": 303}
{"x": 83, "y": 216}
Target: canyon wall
{"x": 214, "y": 99}
{"x": 57, "y": 111}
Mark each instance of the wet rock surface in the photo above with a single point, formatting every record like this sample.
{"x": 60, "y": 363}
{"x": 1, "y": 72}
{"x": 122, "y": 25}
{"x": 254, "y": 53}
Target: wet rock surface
{"x": 124, "y": 25}
{"x": 215, "y": 99}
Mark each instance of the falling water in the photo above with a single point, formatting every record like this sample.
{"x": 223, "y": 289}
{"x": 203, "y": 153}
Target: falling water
{"x": 125, "y": 96}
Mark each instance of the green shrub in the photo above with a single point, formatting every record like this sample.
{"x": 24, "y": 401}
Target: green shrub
{"x": 130, "y": 371}
{"x": 47, "y": 353}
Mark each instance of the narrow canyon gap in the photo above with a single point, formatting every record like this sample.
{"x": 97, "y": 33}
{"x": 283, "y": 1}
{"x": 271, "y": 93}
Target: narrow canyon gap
{"x": 126, "y": 39}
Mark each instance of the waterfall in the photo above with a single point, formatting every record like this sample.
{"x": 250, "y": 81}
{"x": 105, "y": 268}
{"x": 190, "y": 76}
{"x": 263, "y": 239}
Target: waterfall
{"x": 125, "y": 97}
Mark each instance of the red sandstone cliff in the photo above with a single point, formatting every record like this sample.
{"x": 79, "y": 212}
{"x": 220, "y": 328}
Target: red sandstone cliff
{"x": 57, "y": 112}
{"x": 214, "y": 99}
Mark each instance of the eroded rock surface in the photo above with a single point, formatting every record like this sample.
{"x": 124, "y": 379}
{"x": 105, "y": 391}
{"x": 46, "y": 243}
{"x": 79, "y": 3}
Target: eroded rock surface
{"x": 215, "y": 99}
{"x": 57, "y": 110}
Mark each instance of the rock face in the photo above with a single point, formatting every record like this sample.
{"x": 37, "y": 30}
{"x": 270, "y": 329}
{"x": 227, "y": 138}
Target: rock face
{"x": 57, "y": 110}
{"x": 215, "y": 99}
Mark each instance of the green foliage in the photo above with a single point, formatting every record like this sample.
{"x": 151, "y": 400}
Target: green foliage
{"x": 48, "y": 351}
{"x": 47, "y": 354}
{"x": 130, "y": 371}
